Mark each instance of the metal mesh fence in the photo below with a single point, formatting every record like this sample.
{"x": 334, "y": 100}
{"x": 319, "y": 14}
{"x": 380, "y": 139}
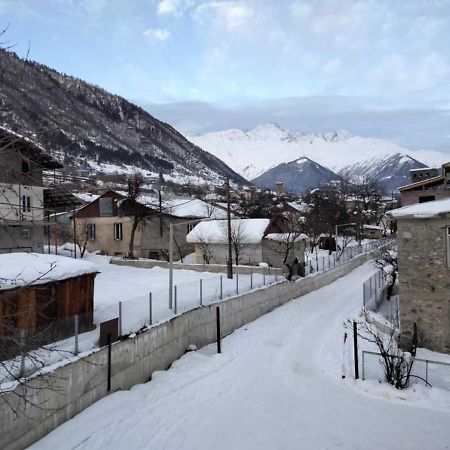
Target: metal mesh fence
{"x": 424, "y": 371}
{"x": 25, "y": 352}
{"x": 375, "y": 298}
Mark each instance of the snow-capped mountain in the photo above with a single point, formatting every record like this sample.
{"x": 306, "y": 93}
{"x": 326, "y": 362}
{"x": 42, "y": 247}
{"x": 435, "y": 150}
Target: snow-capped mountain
{"x": 298, "y": 176}
{"x": 391, "y": 171}
{"x": 252, "y": 152}
{"x": 86, "y": 127}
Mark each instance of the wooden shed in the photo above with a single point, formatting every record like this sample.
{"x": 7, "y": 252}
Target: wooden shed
{"x": 38, "y": 291}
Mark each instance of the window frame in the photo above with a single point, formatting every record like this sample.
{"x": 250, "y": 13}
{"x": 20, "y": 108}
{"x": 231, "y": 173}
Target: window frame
{"x": 447, "y": 229}
{"x": 26, "y": 203}
{"x": 118, "y": 231}
{"x": 91, "y": 231}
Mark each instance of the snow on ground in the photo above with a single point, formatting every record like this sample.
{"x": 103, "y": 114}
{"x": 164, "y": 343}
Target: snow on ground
{"x": 277, "y": 385}
{"x": 132, "y": 287}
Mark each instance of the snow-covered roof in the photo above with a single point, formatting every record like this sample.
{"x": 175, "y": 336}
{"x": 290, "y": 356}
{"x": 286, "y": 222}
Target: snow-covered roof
{"x": 286, "y": 237}
{"x": 299, "y": 206}
{"x": 186, "y": 207}
{"x": 23, "y": 269}
{"x": 85, "y": 197}
{"x": 192, "y": 207}
{"x": 372, "y": 227}
{"x": 251, "y": 231}
{"x": 422, "y": 210}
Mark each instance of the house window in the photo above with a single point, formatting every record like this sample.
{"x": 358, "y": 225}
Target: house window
{"x": 26, "y": 203}
{"x": 426, "y": 198}
{"x": 90, "y": 231}
{"x": 190, "y": 227}
{"x": 153, "y": 255}
{"x": 118, "y": 231}
{"x": 25, "y": 232}
{"x": 25, "y": 167}
{"x": 448, "y": 247}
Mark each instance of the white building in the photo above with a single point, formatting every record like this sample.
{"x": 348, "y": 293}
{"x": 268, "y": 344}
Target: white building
{"x": 22, "y": 218}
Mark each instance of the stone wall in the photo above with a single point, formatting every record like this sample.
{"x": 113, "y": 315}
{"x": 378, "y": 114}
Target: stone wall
{"x": 424, "y": 280}
{"x": 79, "y": 384}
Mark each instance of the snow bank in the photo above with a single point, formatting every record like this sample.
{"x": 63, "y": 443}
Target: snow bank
{"x": 251, "y": 231}
{"x": 20, "y": 269}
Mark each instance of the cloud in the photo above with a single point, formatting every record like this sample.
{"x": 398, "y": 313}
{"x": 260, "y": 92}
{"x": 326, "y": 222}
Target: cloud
{"x": 169, "y": 7}
{"x": 231, "y": 14}
{"x": 157, "y": 34}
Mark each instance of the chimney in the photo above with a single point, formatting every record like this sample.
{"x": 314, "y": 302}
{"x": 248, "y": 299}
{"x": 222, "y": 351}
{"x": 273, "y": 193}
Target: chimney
{"x": 279, "y": 188}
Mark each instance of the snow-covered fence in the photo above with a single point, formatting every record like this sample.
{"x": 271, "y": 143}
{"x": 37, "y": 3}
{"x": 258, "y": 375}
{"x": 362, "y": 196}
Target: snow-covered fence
{"x": 374, "y": 291}
{"x": 424, "y": 371}
{"x": 375, "y": 298}
{"x": 315, "y": 262}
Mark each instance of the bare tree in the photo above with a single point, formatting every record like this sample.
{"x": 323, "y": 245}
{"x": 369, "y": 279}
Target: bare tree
{"x": 83, "y": 232}
{"x": 397, "y": 364}
{"x": 131, "y": 206}
{"x": 238, "y": 238}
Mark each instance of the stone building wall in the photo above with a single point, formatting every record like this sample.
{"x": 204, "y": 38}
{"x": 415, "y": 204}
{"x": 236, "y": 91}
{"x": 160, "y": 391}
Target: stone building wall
{"x": 424, "y": 280}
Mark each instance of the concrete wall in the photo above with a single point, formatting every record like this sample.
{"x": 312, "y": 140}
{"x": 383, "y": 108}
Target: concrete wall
{"x": 214, "y": 268}
{"x": 78, "y": 385}
{"x": 424, "y": 280}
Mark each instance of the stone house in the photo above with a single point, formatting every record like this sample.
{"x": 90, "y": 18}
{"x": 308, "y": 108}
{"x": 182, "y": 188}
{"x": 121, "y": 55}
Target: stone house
{"x": 427, "y": 185}
{"x": 22, "y": 217}
{"x": 258, "y": 240}
{"x": 106, "y": 225}
{"x": 423, "y": 237}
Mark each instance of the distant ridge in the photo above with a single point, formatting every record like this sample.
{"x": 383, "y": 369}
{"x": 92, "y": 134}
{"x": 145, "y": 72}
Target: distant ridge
{"x": 86, "y": 127}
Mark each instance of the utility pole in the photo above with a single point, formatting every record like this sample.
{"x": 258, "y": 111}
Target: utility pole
{"x": 230, "y": 253}
{"x": 170, "y": 266}
{"x": 160, "y": 179}
{"x": 74, "y": 236}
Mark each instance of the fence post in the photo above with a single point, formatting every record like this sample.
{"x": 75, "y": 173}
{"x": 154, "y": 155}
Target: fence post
{"x": 237, "y": 284}
{"x": 108, "y": 387}
{"x": 362, "y": 368}
{"x": 120, "y": 319}
{"x": 221, "y": 287}
{"x": 426, "y": 370}
{"x": 251, "y": 280}
{"x": 323, "y": 263}
{"x": 175, "y": 299}
{"x": 317, "y": 264}
{"x": 201, "y": 292}
{"x": 219, "y": 349}
{"x": 150, "y": 308}
{"x": 22, "y": 352}
{"x": 355, "y": 349}
{"x": 75, "y": 352}
{"x": 264, "y": 277}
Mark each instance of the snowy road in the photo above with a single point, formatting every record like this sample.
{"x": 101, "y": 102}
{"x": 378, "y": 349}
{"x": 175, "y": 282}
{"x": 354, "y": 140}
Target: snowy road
{"x": 277, "y": 385}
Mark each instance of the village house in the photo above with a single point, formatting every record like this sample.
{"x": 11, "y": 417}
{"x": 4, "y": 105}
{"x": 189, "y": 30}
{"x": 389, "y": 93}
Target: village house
{"x": 426, "y": 185}
{"x": 106, "y": 224}
{"x": 22, "y": 217}
{"x": 254, "y": 240}
{"x": 423, "y": 237}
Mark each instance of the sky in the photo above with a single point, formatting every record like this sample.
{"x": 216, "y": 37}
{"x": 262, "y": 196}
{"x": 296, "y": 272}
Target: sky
{"x": 378, "y": 68}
